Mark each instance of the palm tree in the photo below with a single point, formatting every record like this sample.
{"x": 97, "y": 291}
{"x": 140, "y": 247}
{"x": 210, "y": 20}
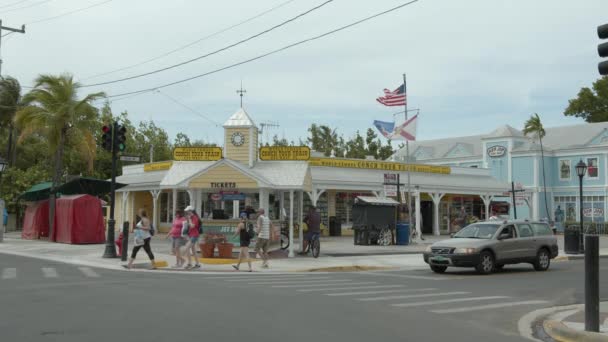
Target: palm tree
{"x": 10, "y": 103}
{"x": 53, "y": 110}
{"x": 534, "y": 126}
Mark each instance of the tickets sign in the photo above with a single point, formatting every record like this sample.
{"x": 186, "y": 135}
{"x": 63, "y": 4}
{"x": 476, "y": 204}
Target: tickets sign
{"x": 197, "y": 153}
{"x": 284, "y": 153}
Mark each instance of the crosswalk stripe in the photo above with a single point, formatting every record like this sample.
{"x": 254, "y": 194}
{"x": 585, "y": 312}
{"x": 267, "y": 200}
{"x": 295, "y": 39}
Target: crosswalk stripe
{"x": 374, "y": 292}
{"x": 88, "y": 272}
{"x": 319, "y": 285}
{"x": 414, "y": 296}
{"x": 49, "y": 272}
{"x": 9, "y": 273}
{"x": 303, "y": 282}
{"x": 446, "y": 301}
{"x": 350, "y": 288}
{"x": 446, "y": 277}
{"x": 279, "y": 279}
{"x": 240, "y": 275}
{"x": 236, "y": 279}
{"x": 489, "y": 306}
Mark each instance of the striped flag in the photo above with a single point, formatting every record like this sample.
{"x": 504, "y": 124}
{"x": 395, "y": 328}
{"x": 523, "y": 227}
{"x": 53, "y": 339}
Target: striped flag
{"x": 407, "y": 130}
{"x": 397, "y": 97}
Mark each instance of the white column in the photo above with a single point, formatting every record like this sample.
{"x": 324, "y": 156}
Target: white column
{"x": 487, "y": 200}
{"x": 291, "y": 253}
{"x": 436, "y": 197}
{"x": 235, "y": 208}
{"x": 264, "y": 198}
{"x": 281, "y": 204}
{"x": 535, "y": 205}
{"x": 199, "y": 202}
{"x": 301, "y": 218}
{"x": 125, "y": 199}
{"x": 174, "y": 199}
{"x": 155, "y": 194}
{"x": 192, "y": 198}
{"x": 418, "y": 218}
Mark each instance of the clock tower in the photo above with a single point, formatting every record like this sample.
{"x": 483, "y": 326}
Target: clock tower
{"x": 241, "y": 138}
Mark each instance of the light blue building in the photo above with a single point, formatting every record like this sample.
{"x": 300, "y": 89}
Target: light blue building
{"x": 513, "y": 157}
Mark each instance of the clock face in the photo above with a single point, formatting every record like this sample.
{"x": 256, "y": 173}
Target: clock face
{"x": 237, "y": 139}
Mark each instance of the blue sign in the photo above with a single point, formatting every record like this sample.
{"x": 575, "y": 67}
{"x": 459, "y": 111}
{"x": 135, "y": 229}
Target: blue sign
{"x": 233, "y": 197}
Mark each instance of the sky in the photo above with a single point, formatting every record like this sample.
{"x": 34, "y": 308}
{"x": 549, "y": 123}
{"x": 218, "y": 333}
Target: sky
{"x": 471, "y": 65}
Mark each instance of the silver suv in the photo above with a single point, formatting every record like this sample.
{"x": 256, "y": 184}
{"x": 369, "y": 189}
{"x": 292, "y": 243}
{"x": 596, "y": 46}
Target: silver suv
{"x": 490, "y": 245}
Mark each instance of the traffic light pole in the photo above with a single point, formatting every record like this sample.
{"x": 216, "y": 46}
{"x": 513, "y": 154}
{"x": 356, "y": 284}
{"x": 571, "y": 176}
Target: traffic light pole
{"x": 110, "y": 251}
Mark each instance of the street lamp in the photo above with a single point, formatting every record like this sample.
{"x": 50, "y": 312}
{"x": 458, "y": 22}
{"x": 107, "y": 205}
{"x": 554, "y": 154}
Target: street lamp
{"x": 3, "y": 165}
{"x": 581, "y": 170}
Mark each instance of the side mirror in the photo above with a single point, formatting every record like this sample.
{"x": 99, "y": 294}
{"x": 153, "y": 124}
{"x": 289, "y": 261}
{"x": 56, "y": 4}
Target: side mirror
{"x": 504, "y": 236}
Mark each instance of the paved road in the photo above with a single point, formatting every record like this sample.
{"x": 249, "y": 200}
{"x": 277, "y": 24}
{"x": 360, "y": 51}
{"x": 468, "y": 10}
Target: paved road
{"x": 46, "y": 301}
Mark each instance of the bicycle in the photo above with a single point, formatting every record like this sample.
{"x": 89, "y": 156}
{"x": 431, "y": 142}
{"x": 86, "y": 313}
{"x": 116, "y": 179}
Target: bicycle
{"x": 314, "y": 245}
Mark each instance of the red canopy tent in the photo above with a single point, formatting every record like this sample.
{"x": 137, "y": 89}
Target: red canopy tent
{"x": 79, "y": 220}
{"x": 36, "y": 220}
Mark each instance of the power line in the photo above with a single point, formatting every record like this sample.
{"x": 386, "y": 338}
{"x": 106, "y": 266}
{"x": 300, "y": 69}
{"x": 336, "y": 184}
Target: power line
{"x": 13, "y": 3}
{"x": 26, "y": 7}
{"x": 214, "y": 52}
{"x": 70, "y": 12}
{"x": 271, "y": 52}
{"x": 188, "y": 108}
{"x": 190, "y": 44}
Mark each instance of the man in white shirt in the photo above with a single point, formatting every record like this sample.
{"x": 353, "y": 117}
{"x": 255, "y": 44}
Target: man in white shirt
{"x": 264, "y": 225}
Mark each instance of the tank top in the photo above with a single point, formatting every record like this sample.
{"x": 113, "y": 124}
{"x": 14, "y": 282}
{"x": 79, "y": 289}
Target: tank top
{"x": 244, "y": 235}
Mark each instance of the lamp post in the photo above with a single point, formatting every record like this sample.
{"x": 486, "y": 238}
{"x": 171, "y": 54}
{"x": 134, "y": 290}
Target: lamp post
{"x": 3, "y": 164}
{"x": 581, "y": 169}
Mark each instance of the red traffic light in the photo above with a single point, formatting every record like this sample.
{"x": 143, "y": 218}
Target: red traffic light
{"x": 106, "y": 129}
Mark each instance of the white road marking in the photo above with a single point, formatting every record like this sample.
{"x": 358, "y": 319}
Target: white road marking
{"x": 374, "y": 292}
{"x": 414, "y": 296}
{"x": 278, "y": 279}
{"x": 350, "y": 288}
{"x": 489, "y": 306}
{"x": 319, "y": 285}
{"x": 49, "y": 272}
{"x": 446, "y": 301}
{"x": 296, "y": 281}
{"x": 88, "y": 272}
{"x": 260, "y": 278}
{"x": 446, "y": 277}
{"x": 9, "y": 273}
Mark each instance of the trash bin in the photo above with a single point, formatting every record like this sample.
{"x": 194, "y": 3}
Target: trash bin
{"x": 572, "y": 241}
{"x": 335, "y": 226}
{"x": 403, "y": 233}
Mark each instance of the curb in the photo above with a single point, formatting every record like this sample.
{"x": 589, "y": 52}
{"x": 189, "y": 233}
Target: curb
{"x": 561, "y": 332}
{"x": 575, "y": 257}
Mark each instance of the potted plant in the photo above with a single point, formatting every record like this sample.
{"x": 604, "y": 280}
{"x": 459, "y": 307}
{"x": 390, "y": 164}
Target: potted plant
{"x": 207, "y": 246}
{"x": 224, "y": 248}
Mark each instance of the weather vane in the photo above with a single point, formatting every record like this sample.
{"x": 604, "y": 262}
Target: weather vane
{"x": 241, "y": 92}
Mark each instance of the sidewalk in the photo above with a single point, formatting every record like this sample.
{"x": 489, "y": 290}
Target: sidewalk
{"x": 568, "y": 324}
{"x": 90, "y": 255}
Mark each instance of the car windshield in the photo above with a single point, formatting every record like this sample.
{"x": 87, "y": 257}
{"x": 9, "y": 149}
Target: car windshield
{"x": 478, "y": 231}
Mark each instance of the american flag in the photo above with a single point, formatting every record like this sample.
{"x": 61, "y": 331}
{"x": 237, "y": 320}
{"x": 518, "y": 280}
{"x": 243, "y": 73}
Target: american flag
{"x": 397, "y": 97}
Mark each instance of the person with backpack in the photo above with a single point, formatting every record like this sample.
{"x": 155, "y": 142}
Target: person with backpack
{"x": 245, "y": 237}
{"x": 142, "y": 238}
{"x": 194, "y": 232}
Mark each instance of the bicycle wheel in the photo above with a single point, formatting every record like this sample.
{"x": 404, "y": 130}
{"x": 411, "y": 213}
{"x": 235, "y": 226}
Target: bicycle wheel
{"x": 284, "y": 241}
{"x": 316, "y": 247}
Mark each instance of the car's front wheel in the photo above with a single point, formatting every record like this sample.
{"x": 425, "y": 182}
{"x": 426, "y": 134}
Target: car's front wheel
{"x": 438, "y": 269}
{"x": 486, "y": 263}
{"x": 543, "y": 260}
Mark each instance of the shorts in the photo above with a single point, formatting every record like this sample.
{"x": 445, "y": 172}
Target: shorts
{"x": 262, "y": 244}
{"x": 177, "y": 242}
{"x": 245, "y": 243}
{"x": 308, "y": 236}
{"x": 193, "y": 240}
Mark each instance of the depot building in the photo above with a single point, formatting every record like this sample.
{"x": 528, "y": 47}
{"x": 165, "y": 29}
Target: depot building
{"x": 222, "y": 183}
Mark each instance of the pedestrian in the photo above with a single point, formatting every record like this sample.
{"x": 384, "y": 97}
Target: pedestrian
{"x": 177, "y": 241}
{"x": 142, "y": 239}
{"x": 313, "y": 221}
{"x": 194, "y": 223}
{"x": 263, "y": 241}
{"x": 245, "y": 240}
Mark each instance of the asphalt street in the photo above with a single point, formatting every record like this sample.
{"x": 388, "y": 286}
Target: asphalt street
{"x": 47, "y": 301}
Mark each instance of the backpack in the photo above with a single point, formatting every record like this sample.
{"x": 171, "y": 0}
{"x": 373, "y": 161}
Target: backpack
{"x": 250, "y": 231}
{"x": 152, "y": 229}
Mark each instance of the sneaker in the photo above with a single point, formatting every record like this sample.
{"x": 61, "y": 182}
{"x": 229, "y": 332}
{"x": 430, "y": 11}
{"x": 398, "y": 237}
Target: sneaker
{"x": 197, "y": 266}
{"x": 189, "y": 266}
{"x": 235, "y": 267}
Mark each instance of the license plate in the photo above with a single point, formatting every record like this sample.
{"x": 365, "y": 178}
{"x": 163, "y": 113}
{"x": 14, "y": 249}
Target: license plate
{"x": 440, "y": 260}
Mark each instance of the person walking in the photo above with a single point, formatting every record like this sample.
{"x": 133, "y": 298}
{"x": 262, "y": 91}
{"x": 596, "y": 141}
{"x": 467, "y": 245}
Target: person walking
{"x": 193, "y": 235}
{"x": 177, "y": 241}
{"x": 263, "y": 241}
{"x": 241, "y": 231}
{"x": 142, "y": 239}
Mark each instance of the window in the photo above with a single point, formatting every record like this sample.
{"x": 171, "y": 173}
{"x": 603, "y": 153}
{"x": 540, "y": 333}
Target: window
{"x": 509, "y": 230}
{"x": 541, "y": 229}
{"x": 164, "y": 207}
{"x": 564, "y": 169}
{"x": 592, "y": 168}
{"x": 525, "y": 230}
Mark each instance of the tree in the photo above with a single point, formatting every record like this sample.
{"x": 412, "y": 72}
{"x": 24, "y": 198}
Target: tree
{"x": 182, "y": 140}
{"x": 151, "y": 137}
{"x": 10, "y": 103}
{"x": 53, "y": 110}
{"x": 355, "y": 148}
{"x": 386, "y": 151}
{"x": 535, "y": 127}
{"x": 372, "y": 143}
{"x": 279, "y": 142}
{"x": 591, "y": 105}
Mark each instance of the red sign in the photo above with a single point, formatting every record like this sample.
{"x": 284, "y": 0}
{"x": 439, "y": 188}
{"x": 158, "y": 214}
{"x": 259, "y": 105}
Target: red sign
{"x": 215, "y": 197}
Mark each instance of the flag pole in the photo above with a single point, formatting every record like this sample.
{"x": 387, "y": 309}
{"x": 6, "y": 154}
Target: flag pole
{"x": 407, "y": 156}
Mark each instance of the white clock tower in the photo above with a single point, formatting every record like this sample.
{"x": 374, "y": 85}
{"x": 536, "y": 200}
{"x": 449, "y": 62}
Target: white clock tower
{"x": 241, "y": 138}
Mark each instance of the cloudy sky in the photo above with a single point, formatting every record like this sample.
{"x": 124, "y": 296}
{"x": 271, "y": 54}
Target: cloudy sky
{"x": 471, "y": 65}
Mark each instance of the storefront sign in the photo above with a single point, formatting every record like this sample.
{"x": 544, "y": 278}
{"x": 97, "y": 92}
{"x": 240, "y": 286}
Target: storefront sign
{"x": 216, "y": 197}
{"x": 197, "y": 153}
{"x": 593, "y": 212}
{"x": 378, "y": 165}
{"x": 157, "y": 166}
{"x": 390, "y": 178}
{"x": 223, "y": 185}
{"x": 390, "y": 190}
{"x": 284, "y": 153}
{"x": 233, "y": 197}
{"x": 497, "y": 151}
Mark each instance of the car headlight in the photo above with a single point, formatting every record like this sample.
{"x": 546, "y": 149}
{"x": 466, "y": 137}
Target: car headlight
{"x": 428, "y": 249}
{"x": 465, "y": 250}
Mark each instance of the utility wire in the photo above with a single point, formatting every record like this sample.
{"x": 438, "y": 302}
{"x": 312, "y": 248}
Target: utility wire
{"x": 25, "y": 7}
{"x": 69, "y": 12}
{"x": 271, "y": 52}
{"x": 214, "y": 52}
{"x": 191, "y": 43}
{"x": 188, "y": 108}
{"x": 14, "y": 3}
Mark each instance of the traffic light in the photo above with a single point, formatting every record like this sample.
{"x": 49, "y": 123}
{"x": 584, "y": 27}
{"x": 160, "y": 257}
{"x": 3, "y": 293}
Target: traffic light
{"x": 602, "y": 49}
{"x": 106, "y": 138}
{"x": 120, "y": 139}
